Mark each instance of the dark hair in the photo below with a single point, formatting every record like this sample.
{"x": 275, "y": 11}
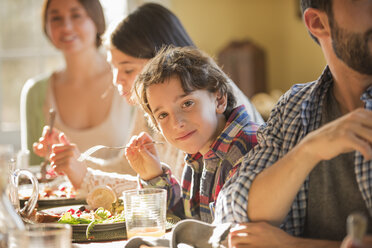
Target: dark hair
{"x": 94, "y": 11}
{"x": 195, "y": 70}
{"x": 150, "y": 27}
{"x": 323, "y": 5}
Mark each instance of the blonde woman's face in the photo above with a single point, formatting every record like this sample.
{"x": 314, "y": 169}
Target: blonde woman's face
{"x": 69, "y": 26}
{"x": 125, "y": 70}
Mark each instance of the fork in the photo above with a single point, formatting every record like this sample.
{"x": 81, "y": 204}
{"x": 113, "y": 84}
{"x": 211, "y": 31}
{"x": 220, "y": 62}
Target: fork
{"x": 94, "y": 149}
{"x": 43, "y": 168}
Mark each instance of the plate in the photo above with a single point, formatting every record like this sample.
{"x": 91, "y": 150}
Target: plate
{"x": 81, "y": 228}
{"x": 56, "y": 198}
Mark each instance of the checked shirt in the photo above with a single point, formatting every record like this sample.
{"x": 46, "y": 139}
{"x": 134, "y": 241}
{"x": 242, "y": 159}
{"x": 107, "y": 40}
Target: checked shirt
{"x": 204, "y": 176}
{"x": 297, "y": 113}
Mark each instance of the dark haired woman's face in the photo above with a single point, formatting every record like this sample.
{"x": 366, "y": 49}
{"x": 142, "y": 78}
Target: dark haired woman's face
{"x": 125, "y": 69}
{"x": 69, "y": 27}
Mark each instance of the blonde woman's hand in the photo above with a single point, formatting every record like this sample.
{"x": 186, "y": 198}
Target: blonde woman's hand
{"x": 47, "y": 139}
{"x": 143, "y": 157}
{"x": 63, "y": 160}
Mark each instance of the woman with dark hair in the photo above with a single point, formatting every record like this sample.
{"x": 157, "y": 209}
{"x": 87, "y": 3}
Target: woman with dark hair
{"x": 147, "y": 29}
{"x": 134, "y": 41}
{"x": 75, "y": 27}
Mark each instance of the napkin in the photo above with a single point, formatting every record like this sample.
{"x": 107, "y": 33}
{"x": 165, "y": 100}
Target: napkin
{"x": 187, "y": 233}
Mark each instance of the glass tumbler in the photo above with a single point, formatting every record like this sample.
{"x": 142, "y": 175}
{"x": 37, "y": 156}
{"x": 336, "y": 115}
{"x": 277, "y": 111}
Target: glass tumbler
{"x": 49, "y": 235}
{"x": 145, "y": 212}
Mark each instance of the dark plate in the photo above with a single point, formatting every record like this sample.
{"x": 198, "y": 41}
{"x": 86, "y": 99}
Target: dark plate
{"x": 53, "y": 201}
{"x": 81, "y": 228}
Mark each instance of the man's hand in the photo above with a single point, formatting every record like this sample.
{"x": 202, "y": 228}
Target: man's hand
{"x": 264, "y": 235}
{"x": 258, "y": 235}
{"x": 349, "y": 243}
{"x": 348, "y": 133}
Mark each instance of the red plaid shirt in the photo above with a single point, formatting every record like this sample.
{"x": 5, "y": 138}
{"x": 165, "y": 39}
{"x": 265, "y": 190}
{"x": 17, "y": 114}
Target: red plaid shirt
{"x": 204, "y": 176}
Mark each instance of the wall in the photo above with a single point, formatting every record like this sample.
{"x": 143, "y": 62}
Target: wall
{"x": 292, "y": 56}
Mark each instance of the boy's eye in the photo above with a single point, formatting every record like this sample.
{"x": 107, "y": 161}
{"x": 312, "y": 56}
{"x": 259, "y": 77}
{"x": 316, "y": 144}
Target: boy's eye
{"x": 162, "y": 116}
{"x": 129, "y": 71}
{"x": 76, "y": 16}
{"x": 187, "y": 104}
{"x": 55, "y": 18}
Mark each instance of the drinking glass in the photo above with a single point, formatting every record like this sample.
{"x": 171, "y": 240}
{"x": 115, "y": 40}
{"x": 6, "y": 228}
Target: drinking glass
{"x": 145, "y": 212}
{"x": 7, "y": 167}
{"x": 49, "y": 235}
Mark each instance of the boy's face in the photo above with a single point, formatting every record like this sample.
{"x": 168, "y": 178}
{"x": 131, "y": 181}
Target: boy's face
{"x": 189, "y": 122}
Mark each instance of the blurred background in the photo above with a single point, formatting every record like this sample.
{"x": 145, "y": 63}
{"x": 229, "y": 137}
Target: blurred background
{"x": 262, "y": 44}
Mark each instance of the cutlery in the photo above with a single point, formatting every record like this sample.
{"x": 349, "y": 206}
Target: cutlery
{"x": 52, "y": 116}
{"x": 94, "y": 149}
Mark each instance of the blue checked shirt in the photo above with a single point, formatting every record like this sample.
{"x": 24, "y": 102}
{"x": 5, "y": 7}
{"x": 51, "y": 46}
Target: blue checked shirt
{"x": 297, "y": 113}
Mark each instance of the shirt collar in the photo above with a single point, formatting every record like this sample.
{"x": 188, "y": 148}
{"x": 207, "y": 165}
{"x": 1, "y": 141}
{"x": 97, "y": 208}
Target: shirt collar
{"x": 313, "y": 103}
{"x": 237, "y": 119}
{"x": 367, "y": 98}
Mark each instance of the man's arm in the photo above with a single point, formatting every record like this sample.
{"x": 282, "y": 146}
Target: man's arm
{"x": 274, "y": 189}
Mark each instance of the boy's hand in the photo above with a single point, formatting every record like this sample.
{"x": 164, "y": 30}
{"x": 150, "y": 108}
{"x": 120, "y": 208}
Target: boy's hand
{"x": 143, "y": 157}
{"x": 42, "y": 148}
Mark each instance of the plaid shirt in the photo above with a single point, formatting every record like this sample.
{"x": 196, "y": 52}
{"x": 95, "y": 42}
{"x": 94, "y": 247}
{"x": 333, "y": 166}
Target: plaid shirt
{"x": 204, "y": 176}
{"x": 297, "y": 113}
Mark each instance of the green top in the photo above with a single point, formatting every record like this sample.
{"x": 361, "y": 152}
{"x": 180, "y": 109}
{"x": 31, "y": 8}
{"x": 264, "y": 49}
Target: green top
{"x": 32, "y": 116}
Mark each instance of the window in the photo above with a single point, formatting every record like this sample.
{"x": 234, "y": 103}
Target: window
{"x": 25, "y": 52}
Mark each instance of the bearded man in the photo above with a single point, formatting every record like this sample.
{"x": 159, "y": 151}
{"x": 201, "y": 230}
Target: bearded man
{"x": 312, "y": 166}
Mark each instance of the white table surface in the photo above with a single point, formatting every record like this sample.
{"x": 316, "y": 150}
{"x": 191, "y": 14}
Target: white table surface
{"x": 108, "y": 244}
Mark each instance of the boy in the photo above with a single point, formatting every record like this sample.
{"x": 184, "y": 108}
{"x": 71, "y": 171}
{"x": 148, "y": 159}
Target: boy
{"x": 189, "y": 100}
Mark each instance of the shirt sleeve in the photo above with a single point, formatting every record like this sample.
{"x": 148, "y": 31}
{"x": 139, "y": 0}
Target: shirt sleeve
{"x": 32, "y": 116}
{"x": 232, "y": 201}
{"x": 168, "y": 182}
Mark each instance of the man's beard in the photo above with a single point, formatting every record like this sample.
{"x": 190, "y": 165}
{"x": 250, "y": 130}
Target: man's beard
{"x": 352, "y": 48}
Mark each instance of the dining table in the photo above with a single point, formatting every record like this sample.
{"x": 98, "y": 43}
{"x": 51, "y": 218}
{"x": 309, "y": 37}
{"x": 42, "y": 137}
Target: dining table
{"x": 104, "y": 244}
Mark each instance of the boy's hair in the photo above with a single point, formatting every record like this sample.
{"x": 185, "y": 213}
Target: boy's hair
{"x": 323, "y": 5}
{"x": 195, "y": 70}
